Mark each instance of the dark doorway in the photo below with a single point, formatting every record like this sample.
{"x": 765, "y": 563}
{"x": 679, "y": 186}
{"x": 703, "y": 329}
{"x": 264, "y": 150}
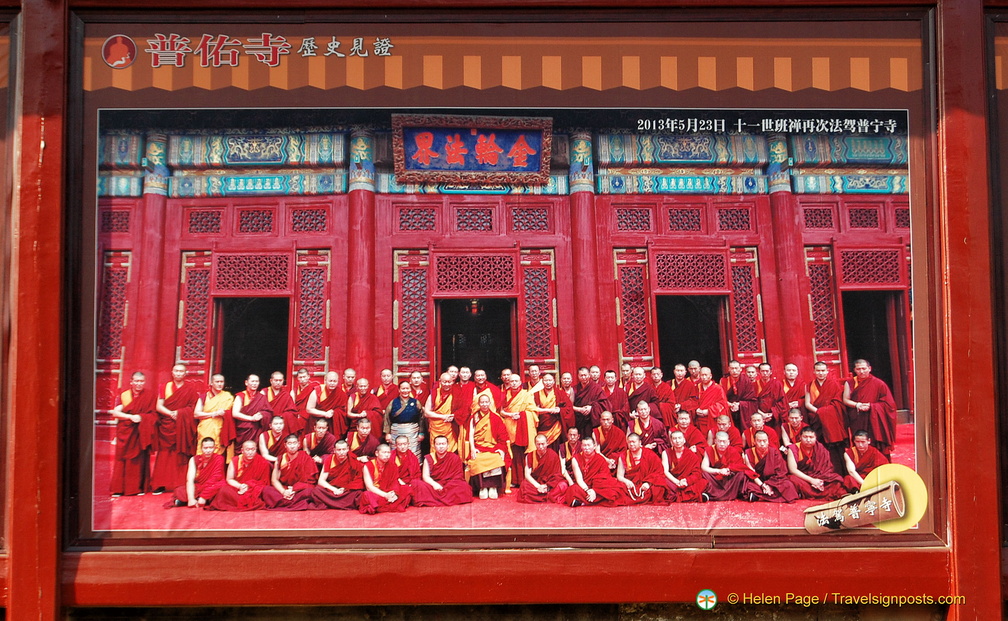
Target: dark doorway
{"x": 691, "y": 327}
{"x": 875, "y": 329}
{"x": 252, "y": 337}
{"x": 477, "y": 333}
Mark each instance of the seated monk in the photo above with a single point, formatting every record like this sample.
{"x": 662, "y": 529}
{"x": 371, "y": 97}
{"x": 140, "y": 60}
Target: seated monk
{"x": 406, "y": 461}
{"x": 611, "y": 440}
{"x": 382, "y": 491}
{"x": 861, "y": 459}
{"x": 340, "y": 483}
{"x": 489, "y": 457}
{"x": 682, "y": 470}
{"x": 594, "y": 484}
{"x": 203, "y": 479}
{"x": 811, "y": 470}
{"x": 293, "y": 479}
{"x": 247, "y": 475}
{"x": 641, "y": 471}
{"x": 695, "y": 440}
{"x": 791, "y": 429}
{"x": 725, "y": 470}
{"x": 319, "y": 442}
{"x": 362, "y": 441}
{"x": 544, "y": 477}
{"x": 443, "y": 482}
{"x": 724, "y": 423}
{"x": 652, "y": 431}
{"x": 271, "y": 441}
{"x": 770, "y": 469}
{"x": 758, "y": 423}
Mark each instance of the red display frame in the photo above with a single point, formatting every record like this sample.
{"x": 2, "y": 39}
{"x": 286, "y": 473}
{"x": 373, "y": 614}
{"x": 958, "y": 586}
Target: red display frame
{"x": 41, "y": 576}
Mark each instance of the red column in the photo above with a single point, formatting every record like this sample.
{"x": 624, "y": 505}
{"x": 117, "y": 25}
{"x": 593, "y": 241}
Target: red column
{"x": 586, "y": 319}
{"x": 789, "y": 331}
{"x": 359, "y": 306}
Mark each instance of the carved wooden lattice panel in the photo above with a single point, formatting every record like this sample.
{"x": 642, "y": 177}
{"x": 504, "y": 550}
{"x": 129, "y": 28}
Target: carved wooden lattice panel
{"x": 193, "y": 340}
{"x": 309, "y": 220}
{"x": 734, "y": 219}
{"x": 413, "y": 318}
{"x": 112, "y": 314}
{"x": 633, "y": 219}
{"x": 115, "y": 221}
{"x": 530, "y": 219}
{"x": 252, "y": 272}
{"x": 819, "y": 218}
{"x": 902, "y": 217}
{"x": 475, "y": 273}
{"x": 204, "y": 221}
{"x": 871, "y": 267}
{"x": 685, "y": 219}
{"x": 631, "y": 274}
{"x": 537, "y": 320}
{"x": 863, "y": 218}
{"x": 747, "y": 322}
{"x": 474, "y": 219}
{"x": 311, "y": 307}
{"x": 691, "y": 271}
{"x": 417, "y": 219}
{"x": 255, "y": 220}
{"x": 823, "y": 307}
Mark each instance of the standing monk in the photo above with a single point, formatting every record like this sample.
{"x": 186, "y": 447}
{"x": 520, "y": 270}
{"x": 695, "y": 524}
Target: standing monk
{"x": 640, "y": 389}
{"x": 685, "y": 392}
{"x": 711, "y": 402}
{"x": 176, "y": 406}
{"x": 666, "y": 396}
{"x": 213, "y": 411}
{"x": 250, "y": 411}
{"x": 443, "y": 482}
{"x": 136, "y": 434}
{"x": 324, "y": 402}
{"x": 247, "y": 476}
{"x": 386, "y": 390}
{"x": 281, "y": 402}
{"x": 544, "y": 479}
{"x": 588, "y": 403}
{"x": 521, "y": 420}
{"x": 824, "y": 402}
{"x": 552, "y": 407}
{"x": 770, "y": 398}
{"x": 870, "y": 407}
{"x": 794, "y": 393}
{"x": 300, "y": 393}
{"x": 616, "y": 402}
{"x": 362, "y": 404}
{"x": 440, "y": 412}
{"x": 740, "y": 393}
{"x": 204, "y": 478}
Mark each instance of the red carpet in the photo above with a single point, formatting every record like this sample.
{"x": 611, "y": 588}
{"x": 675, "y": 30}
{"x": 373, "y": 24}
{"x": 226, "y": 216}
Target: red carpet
{"x": 146, "y": 513}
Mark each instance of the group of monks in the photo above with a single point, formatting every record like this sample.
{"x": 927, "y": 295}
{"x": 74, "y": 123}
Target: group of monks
{"x": 607, "y": 439}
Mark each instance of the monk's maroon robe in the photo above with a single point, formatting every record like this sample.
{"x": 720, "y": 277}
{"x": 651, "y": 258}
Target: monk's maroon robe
{"x": 345, "y": 475}
{"x": 749, "y": 437}
{"x": 274, "y": 441}
{"x": 334, "y": 400}
{"x": 209, "y": 479}
{"x": 711, "y": 399}
{"x": 361, "y": 447}
{"x": 588, "y": 394}
{"x": 666, "y": 403}
{"x": 694, "y": 438}
{"x": 616, "y": 402}
{"x": 685, "y": 467}
{"x": 611, "y": 444}
{"x": 408, "y": 465}
{"x": 816, "y": 464}
{"x": 880, "y": 419}
{"x": 644, "y": 392}
{"x": 771, "y": 469}
{"x": 685, "y": 396}
{"x": 595, "y": 473}
{"x": 254, "y": 473}
{"x": 769, "y": 400}
{"x": 727, "y": 486}
{"x": 449, "y": 473}
{"x": 828, "y": 420}
{"x": 386, "y": 478}
{"x": 372, "y": 407}
{"x": 547, "y": 471}
{"x": 742, "y": 391}
{"x": 252, "y": 404}
{"x": 864, "y": 463}
{"x": 176, "y": 436}
{"x": 300, "y": 422}
{"x": 134, "y": 442}
{"x": 655, "y": 433}
{"x": 646, "y": 468}
{"x": 281, "y": 404}
{"x": 297, "y": 472}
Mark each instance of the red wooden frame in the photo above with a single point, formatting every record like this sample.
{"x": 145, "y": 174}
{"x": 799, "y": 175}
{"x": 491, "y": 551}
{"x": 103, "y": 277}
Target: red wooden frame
{"x": 39, "y": 576}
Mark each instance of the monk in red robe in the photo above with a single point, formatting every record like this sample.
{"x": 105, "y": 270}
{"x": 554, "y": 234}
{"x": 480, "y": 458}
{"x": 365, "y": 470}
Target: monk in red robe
{"x": 757, "y": 424}
{"x": 521, "y": 420}
{"x": 666, "y": 397}
{"x": 610, "y": 440}
{"x": 406, "y": 461}
{"x": 794, "y": 393}
{"x": 281, "y": 403}
{"x": 652, "y": 431}
{"x": 728, "y": 477}
{"x": 793, "y": 426}
{"x": 300, "y": 393}
{"x": 640, "y": 389}
{"x": 340, "y": 483}
{"x": 588, "y": 403}
{"x": 568, "y": 451}
{"x": 383, "y": 493}
{"x": 685, "y": 392}
{"x": 860, "y": 460}
{"x": 615, "y": 401}
{"x": 362, "y": 442}
{"x": 386, "y": 390}
{"x": 770, "y": 469}
{"x": 271, "y": 442}
{"x": 870, "y": 406}
{"x": 319, "y": 443}
{"x": 418, "y": 387}
{"x": 711, "y": 402}
{"x": 826, "y": 414}
{"x": 440, "y": 412}
{"x": 770, "y": 399}
{"x": 695, "y": 440}
{"x": 443, "y": 482}
{"x": 250, "y": 411}
{"x": 682, "y": 470}
{"x": 465, "y": 390}
{"x": 811, "y": 471}
{"x": 489, "y": 456}
{"x": 641, "y": 471}
{"x": 204, "y": 478}
{"x": 213, "y": 411}
{"x": 247, "y": 475}
{"x": 552, "y": 406}
{"x": 328, "y": 401}
{"x": 741, "y": 394}
{"x": 594, "y": 484}
{"x": 362, "y": 404}
{"x": 293, "y": 479}
{"x": 481, "y": 386}
{"x": 724, "y": 423}
{"x": 176, "y": 426}
{"x": 544, "y": 480}
{"x": 136, "y": 436}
